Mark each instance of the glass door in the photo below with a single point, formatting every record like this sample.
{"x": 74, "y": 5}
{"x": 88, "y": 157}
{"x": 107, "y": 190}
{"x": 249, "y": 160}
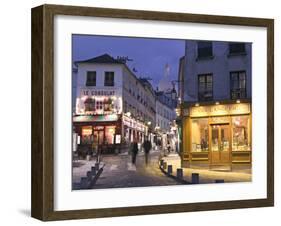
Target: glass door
{"x": 220, "y": 143}
{"x": 98, "y": 137}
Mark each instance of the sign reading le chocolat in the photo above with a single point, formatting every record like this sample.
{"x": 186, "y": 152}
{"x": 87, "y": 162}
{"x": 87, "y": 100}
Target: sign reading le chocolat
{"x": 218, "y": 110}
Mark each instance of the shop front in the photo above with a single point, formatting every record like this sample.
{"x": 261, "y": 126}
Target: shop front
{"x": 133, "y": 130}
{"x": 217, "y": 135}
{"x": 93, "y": 132}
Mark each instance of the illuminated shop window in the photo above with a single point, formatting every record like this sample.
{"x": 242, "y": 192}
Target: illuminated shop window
{"x": 109, "y": 134}
{"x": 199, "y": 133}
{"x": 241, "y": 133}
{"x": 87, "y": 134}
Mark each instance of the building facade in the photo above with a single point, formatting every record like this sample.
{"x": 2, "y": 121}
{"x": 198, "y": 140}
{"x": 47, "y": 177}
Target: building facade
{"x": 215, "y": 110}
{"x": 166, "y": 128}
{"x": 112, "y": 108}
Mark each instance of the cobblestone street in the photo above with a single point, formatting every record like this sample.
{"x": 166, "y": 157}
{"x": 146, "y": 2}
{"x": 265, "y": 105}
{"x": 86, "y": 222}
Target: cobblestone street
{"x": 120, "y": 172}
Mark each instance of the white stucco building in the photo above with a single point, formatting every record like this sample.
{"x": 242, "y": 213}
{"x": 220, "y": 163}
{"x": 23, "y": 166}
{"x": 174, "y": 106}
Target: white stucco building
{"x": 112, "y": 105}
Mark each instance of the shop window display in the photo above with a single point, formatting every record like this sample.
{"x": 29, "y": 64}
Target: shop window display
{"x": 200, "y": 137}
{"x": 87, "y": 135}
{"x": 109, "y": 134}
{"x": 241, "y": 133}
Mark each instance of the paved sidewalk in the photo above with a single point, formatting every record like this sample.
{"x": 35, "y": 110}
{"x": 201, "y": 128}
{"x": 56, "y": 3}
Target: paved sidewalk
{"x": 209, "y": 176}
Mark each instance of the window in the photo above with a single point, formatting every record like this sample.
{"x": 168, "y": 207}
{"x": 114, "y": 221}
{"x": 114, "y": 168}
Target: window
{"x": 109, "y": 134}
{"x": 241, "y": 135}
{"x": 238, "y": 84}
{"x": 99, "y": 105}
{"x": 87, "y": 134}
{"x": 107, "y": 105}
{"x": 109, "y": 78}
{"x": 205, "y": 87}
{"x": 91, "y": 78}
{"x": 200, "y": 135}
{"x": 89, "y": 104}
{"x": 237, "y": 48}
{"x": 205, "y": 49}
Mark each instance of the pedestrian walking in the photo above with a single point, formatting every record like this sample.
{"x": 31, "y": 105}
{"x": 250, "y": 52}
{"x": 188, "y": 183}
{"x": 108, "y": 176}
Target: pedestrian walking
{"x": 147, "y": 147}
{"x": 169, "y": 147}
{"x": 134, "y": 151}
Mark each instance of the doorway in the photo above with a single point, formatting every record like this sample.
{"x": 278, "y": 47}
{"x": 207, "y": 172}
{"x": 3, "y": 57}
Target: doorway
{"x": 220, "y": 141}
{"x": 98, "y": 137}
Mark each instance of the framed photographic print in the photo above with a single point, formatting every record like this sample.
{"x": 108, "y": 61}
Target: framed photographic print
{"x": 141, "y": 112}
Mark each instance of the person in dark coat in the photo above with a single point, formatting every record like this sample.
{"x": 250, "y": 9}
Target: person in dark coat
{"x": 135, "y": 150}
{"x": 147, "y": 147}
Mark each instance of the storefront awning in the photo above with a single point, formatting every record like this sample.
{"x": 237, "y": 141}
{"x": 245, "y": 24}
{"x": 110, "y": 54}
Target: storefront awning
{"x": 95, "y": 118}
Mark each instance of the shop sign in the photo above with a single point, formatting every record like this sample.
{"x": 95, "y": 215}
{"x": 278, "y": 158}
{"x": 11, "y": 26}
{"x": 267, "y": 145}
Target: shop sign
{"x": 96, "y": 118}
{"x": 216, "y": 120}
{"x": 132, "y": 123}
{"x": 219, "y": 110}
{"x": 98, "y": 128}
{"x": 99, "y": 92}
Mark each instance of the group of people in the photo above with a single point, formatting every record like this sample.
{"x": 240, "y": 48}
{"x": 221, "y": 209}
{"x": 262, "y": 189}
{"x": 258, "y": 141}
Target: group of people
{"x": 135, "y": 149}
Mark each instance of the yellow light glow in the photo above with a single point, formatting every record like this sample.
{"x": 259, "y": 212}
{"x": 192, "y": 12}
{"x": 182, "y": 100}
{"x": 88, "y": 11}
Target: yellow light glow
{"x": 238, "y": 101}
{"x": 219, "y": 110}
{"x": 217, "y": 103}
{"x": 197, "y": 105}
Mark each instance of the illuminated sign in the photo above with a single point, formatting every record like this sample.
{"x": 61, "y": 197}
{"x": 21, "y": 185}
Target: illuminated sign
{"x": 95, "y": 118}
{"x": 219, "y": 110}
{"x": 132, "y": 123}
{"x": 98, "y": 92}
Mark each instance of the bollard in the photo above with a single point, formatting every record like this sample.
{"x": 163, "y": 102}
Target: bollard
{"x": 97, "y": 166}
{"x": 93, "y": 170}
{"x": 164, "y": 165}
{"x": 195, "y": 178}
{"x": 84, "y": 182}
{"x": 179, "y": 173}
{"x": 219, "y": 181}
{"x": 170, "y": 169}
{"x": 89, "y": 175}
{"x": 161, "y": 162}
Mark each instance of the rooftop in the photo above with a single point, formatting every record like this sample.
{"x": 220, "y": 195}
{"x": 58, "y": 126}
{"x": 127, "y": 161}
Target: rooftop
{"x": 102, "y": 59}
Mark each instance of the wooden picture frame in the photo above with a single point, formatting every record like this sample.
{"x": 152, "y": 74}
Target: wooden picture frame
{"x": 43, "y": 111}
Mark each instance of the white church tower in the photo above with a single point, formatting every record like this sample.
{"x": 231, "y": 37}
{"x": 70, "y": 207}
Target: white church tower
{"x": 165, "y": 83}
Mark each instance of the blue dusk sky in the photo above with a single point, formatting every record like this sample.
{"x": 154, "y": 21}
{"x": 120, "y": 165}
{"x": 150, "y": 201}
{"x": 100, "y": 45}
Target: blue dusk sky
{"x": 150, "y": 56}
